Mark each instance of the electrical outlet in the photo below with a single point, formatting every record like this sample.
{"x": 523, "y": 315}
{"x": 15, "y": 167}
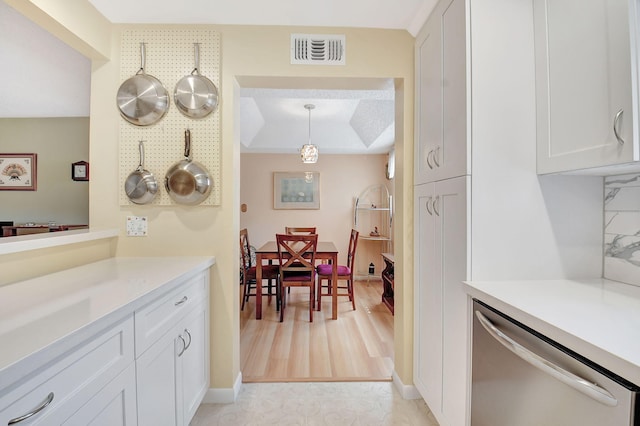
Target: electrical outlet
{"x": 136, "y": 226}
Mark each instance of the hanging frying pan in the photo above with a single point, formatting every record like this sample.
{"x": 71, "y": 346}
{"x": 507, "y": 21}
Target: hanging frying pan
{"x": 187, "y": 181}
{"x": 141, "y": 185}
{"x": 142, "y": 99}
{"x": 195, "y": 95}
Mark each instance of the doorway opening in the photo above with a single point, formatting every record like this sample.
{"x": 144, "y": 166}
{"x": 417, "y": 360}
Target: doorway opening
{"x": 359, "y": 345}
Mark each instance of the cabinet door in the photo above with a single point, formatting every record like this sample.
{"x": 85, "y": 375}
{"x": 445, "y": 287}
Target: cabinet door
{"x": 156, "y": 382}
{"x": 193, "y": 364}
{"x": 440, "y": 316}
{"x": 114, "y": 405}
{"x": 428, "y": 125}
{"x": 427, "y": 369}
{"x": 584, "y": 84}
{"x": 441, "y": 149}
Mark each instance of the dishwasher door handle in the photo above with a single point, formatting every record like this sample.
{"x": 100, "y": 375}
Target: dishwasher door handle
{"x": 578, "y": 383}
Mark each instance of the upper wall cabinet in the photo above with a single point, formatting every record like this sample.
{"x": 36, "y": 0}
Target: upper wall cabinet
{"x": 586, "y": 84}
{"x": 441, "y": 149}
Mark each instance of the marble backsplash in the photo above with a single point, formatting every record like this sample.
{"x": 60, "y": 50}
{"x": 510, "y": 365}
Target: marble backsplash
{"x": 622, "y": 228}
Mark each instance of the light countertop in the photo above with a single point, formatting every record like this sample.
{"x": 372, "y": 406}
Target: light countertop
{"x": 597, "y": 318}
{"x": 41, "y": 317}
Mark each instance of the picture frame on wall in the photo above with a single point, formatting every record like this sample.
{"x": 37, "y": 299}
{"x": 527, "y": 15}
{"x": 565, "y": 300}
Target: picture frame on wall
{"x": 18, "y": 172}
{"x": 80, "y": 170}
{"x": 296, "y": 190}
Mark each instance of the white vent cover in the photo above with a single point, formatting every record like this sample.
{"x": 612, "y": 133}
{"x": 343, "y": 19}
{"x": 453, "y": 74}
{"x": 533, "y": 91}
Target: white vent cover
{"x": 319, "y": 49}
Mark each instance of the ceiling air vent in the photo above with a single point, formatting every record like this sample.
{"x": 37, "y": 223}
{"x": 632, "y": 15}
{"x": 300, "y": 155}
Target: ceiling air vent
{"x": 318, "y": 49}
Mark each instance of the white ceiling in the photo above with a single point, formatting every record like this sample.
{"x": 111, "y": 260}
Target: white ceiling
{"x": 351, "y": 116}
{"x": 391, "y": 14}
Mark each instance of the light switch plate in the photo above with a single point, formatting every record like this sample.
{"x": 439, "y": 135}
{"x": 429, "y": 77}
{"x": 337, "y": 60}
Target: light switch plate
{"x": 136, "y": 226}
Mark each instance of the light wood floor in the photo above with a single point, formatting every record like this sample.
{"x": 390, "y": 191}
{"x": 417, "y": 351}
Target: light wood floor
{"x": 358, "y": 346}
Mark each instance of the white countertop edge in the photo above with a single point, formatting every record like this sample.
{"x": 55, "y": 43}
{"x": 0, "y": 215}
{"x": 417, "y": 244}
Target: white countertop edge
{"x": 23, "y": 243}
{"x": 14, "y": 372}
{"x": 583, "y": 346}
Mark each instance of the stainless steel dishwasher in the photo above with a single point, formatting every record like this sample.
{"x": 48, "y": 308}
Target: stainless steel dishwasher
{"x": 522, "y": 378}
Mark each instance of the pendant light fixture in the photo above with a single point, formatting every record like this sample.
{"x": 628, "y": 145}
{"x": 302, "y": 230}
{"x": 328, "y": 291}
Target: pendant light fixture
{"x": 309, "y": 152}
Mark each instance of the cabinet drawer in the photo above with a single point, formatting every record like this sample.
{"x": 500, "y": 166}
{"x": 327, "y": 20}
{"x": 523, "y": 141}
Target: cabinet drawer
{"x": 71, "y": 381}
{"x": 155, "y": 319}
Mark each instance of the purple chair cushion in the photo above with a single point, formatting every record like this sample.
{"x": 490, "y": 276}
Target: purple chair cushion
{"x": 325, "y": 269}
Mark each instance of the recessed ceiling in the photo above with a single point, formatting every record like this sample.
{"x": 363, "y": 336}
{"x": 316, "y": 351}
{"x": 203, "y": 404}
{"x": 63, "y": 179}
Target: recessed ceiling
{"x": 355, "y": 121}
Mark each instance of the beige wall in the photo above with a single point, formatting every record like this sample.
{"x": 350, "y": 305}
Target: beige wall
{"x": 342, "y": 179}
{"x": 58, "y": 142}
{"x": 213, "y": 230}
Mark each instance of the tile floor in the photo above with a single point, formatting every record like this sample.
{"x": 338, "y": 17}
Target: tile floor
{"x": 311, "y": 404}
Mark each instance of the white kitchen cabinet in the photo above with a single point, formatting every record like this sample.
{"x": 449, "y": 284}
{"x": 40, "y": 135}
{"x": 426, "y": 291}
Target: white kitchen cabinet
{"x": 441, "y": 148}
{"x": 53, "y": 395}
{"x": 193, "y": 368}
{"x": 440, "y": 303}
{"x": 173, "y": 373}
{"x": 442, "y": 165}
{"x": 586, "y": 84}
{"x": 114, "y": 405}
{"x": 117, "y": 334}
{"x": 157, "y": 383}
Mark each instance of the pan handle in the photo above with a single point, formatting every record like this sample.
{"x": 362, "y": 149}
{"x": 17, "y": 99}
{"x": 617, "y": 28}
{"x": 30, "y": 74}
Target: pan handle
{"x": 196, "y": 56}
{"x": 141, "y": 149}
{"x": 187, "y": 145}
{"x": 143, "y": 54}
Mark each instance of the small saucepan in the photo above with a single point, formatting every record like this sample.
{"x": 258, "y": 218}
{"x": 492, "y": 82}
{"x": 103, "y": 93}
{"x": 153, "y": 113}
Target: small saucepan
{"x": 187, "y": 181}
{"x": 195, "y": 95}
{"x": 141, "y": 185}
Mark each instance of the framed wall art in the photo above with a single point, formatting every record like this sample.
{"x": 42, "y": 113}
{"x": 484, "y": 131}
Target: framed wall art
{"x": 18, "y": 172}
{"x": 296, "y": 190}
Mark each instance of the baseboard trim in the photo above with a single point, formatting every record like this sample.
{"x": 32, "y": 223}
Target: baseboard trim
{"x": 223, "y": 395}
{"x": 406, "y": 391}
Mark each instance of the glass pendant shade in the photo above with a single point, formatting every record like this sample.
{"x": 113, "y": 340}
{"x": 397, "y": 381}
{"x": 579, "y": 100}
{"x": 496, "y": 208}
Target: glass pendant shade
{"x": 309, "y": 152}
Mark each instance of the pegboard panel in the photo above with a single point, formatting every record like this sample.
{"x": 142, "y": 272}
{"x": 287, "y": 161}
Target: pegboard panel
{"x": 169, "y": 57}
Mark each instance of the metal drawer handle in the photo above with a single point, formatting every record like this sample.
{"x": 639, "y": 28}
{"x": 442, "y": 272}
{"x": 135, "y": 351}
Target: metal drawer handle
{"x": 184, "y": 345}
{"x": 578, "y": 383}
{"x": 615, "y": 127}
{"x": 188, "y": 334}
{"x": 436, "y": 205}
{"x": 33, "y": 412}
{"x": 429, "y": 205}
{"x": 429, "y": 159}
{"x": 436, "y": 153}
{"x": 181, "y": 301}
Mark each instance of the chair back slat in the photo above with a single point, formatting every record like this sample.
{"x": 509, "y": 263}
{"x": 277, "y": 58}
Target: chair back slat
{"x": 351, "y": 254}
{"x": 297, "y": 253}
{"x": 245, "y": 248}
{"x": 300, "y": 230}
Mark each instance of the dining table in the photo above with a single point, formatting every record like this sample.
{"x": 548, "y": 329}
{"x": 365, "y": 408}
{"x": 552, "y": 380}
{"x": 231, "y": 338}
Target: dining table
{"x": 325, "y": 250}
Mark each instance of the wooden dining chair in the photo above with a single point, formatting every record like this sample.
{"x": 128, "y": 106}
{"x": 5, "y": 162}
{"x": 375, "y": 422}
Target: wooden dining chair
{"x": 297, "y": 255}
{"x": 248, "y": 276}
{"x": 345, "y": 273}
{"x": 299, "y": 230}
